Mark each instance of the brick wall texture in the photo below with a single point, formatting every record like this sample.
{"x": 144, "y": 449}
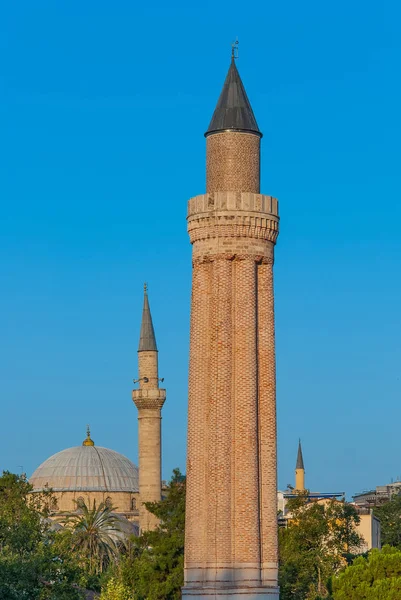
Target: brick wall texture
{"x": 231, "y": 510}
{"x": 232, "y": 162}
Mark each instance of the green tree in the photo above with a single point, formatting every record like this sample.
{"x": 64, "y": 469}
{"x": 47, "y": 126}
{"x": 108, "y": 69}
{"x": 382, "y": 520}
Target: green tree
{"x": 116, "y": 590}
{"x": 390, "y": 521}
{"x": 154, "y": 564}
{"x": 96, "y": 534}
{"x": 375, "y": 577}
{"x": 314, "y": 545}
{"x": 31, "y": 566}
{"x": 20, "y": 514}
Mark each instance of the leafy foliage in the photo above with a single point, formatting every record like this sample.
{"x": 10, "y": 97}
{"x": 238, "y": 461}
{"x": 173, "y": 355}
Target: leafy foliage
{"x": 314, "y": 546}
{"x": 154, "y": 564}
{"x": 96, "y": 534}
{"x": 32, "y": 565}
{"x": 390, "y": 520}
{"x": 20, "y": 515}
{"x": 116, "y": 590}
{"x": 377, "y": 577}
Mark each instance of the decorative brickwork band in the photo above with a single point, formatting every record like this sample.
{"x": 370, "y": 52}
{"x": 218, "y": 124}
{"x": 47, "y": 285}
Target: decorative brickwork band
{"x": 210, "y": 258}
{"x": 250, "y": 226}
{"x": 233, "y": 202}
{"x": 226, "y": 222}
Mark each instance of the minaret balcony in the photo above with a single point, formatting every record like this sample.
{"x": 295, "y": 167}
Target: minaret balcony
{"x": 149, "y": 398}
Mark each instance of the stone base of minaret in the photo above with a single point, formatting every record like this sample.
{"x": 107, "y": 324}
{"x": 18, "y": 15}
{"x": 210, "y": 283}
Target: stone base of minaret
{"x": 220, "y": 593}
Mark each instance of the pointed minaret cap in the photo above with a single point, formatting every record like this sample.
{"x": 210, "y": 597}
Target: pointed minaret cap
{"x": 300, "y": 460}
{"x": 147, "y": 339}
{"x": 233, "y": 110}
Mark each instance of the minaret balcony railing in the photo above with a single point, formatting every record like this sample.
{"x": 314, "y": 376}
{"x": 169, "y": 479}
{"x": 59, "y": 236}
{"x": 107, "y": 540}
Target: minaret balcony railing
{"x": 149, "y": 398}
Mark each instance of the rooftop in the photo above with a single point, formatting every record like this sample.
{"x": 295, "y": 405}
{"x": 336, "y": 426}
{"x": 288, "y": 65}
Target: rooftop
{"x": 86, "y": 468}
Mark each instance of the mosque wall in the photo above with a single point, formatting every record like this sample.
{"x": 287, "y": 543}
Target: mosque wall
{"x": 126, "y": 503}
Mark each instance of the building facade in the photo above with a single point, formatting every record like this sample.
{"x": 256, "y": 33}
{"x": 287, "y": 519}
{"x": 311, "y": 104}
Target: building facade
{"x": 380, "y": 495}
{"x": 231, "y": 507}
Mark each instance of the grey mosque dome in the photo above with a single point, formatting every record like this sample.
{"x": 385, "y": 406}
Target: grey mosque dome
{"x": 86, "y": 468}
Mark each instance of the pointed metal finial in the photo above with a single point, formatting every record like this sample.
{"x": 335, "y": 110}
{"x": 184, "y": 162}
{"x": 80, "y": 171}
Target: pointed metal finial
{"x": 145, "y": 288}
{"x": 88, "y": 441}
{"x": 234, "y": 49}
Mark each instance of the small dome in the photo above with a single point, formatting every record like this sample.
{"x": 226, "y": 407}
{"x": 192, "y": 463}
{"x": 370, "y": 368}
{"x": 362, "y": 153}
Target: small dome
{"x": 86, "y": 469}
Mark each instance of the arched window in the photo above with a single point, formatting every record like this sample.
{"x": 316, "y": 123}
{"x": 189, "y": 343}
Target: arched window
{"x": 54, "y": 504}
{"x": 108, "y": 502}
{"x": 80, "y": 502}
{"x": 133, "y": 504}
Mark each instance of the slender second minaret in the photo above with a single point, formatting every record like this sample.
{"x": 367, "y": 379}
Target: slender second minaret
{"x": 149, "y": 400}
{"x": 299, "y": 471}
{"x": 231, "y": 506}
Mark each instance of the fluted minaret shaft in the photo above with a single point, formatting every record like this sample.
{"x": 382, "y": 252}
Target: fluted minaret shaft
{"x": 231, "y": 510}
{"x": 149, "y": 399}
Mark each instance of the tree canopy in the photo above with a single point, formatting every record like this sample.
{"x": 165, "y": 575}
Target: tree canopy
{"x": 390, "y": 521}
{"x": 33, "y": 565}
{"x": 154, "y": 565}
{"x": 314, "y": 545}
{"x": 375, "y": 577}
{"x": 95, "y": 534}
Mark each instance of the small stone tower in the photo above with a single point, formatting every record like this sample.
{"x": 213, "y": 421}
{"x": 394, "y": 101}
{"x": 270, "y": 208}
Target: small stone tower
{"x": 231, "y": 506}
{"x": 148, "y": 399}
{"x": 299, "y": 471}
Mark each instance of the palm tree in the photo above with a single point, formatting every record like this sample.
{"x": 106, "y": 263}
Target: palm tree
{"x": 96, "y": 533}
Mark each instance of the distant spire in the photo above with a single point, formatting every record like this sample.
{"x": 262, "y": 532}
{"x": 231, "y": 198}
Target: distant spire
{"x": 233, "y": 110}
{"x": 300, "y": 460}
{"x": 88, "y": 441}
{"x": 147, "y": 339}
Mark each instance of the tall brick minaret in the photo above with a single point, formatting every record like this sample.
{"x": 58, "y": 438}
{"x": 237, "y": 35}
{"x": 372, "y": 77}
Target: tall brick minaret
{"x": 149, "y": 400}
{"x": 231, "y": 510}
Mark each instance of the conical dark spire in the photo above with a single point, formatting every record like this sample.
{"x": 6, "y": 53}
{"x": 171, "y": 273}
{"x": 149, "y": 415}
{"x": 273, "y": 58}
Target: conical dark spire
{"x": 147, "y": 339}
{"x": 233, "y": 110}
{"x": 300, "y": 460}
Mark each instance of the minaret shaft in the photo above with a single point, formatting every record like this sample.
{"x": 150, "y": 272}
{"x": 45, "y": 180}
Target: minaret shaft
{"x": 149, "y": 438}
{"x": 231, "y": 509}
{"x": 233, "y": 162}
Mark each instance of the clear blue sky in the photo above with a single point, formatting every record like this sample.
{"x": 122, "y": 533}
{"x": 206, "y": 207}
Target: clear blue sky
{"x": 103, "y": 106}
